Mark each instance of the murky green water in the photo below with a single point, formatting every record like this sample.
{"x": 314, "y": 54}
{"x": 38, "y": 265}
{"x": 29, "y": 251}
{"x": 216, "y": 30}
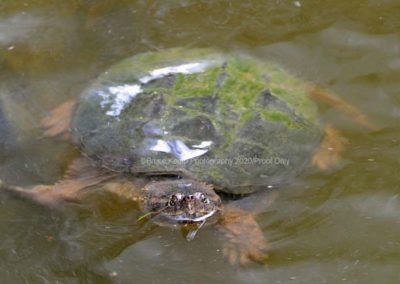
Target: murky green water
{"x": 340, "y": 226}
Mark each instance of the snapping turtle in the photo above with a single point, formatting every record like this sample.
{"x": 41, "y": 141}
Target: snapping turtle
{"x": 175, "y": 129}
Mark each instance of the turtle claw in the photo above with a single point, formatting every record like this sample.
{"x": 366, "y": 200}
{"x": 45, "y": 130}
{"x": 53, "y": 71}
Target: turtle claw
{"x": 245, "y": 240}
{"x": 244, "y": 256}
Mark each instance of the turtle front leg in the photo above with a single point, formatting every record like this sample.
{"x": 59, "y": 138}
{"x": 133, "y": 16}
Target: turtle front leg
{"x": 80, "y": 175}
{"x": 245, "y": 239}
{"x": 329, "y": 152}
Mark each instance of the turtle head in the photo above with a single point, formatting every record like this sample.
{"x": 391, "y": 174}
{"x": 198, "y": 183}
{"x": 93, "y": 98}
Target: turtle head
{"x": 180, "y": 201}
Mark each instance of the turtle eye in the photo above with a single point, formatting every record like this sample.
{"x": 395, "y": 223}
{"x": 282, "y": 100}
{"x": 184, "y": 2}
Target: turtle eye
{"x": 174, "y": 199}
{"x": 200, "y": 196}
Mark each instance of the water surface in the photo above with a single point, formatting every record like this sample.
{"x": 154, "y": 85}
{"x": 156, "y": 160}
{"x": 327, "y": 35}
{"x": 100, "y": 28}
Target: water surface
{"x": 340, "y": 226}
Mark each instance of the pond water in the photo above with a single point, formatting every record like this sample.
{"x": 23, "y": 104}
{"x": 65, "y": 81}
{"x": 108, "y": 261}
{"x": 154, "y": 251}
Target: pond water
{"x": 337, "y": 226}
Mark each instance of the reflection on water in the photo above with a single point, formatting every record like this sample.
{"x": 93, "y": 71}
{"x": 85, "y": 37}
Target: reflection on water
{"x": 325, "y": 227}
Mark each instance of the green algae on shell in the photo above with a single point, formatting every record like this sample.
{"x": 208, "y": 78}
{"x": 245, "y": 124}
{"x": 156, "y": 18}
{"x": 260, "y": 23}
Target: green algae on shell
{"x": 227, "y": 119}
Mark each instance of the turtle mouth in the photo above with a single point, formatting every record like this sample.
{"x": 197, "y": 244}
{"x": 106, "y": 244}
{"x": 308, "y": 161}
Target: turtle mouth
{"x": 193, "y": 218}
{"x": 181, "y": 217}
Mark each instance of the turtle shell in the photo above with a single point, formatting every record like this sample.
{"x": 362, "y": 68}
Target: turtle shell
{"x": 231, "y": 120}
